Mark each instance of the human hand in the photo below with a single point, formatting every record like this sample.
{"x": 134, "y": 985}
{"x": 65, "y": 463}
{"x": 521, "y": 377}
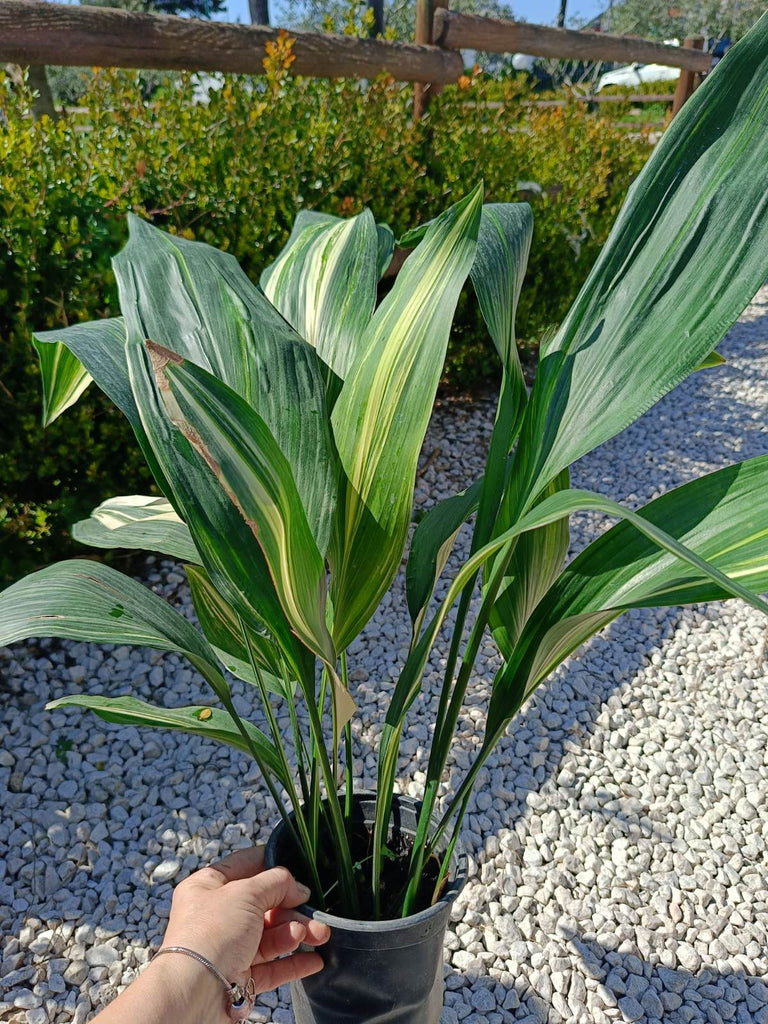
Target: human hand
{"x": 242, "y": 918}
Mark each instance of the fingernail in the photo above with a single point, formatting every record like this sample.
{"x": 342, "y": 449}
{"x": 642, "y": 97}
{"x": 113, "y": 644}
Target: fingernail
{"x": 298, "y": 930}
{"x": 304, "y": 892}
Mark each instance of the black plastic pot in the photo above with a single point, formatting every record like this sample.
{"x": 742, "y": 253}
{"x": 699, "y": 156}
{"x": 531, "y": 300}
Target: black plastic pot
{"x": 377, "y": 972}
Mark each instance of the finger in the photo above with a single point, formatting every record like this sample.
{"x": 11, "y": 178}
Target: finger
{"x": 291, "y": 968}
{"x": 277, "y": 888}
{"x": 240, "y": 864}
{"x": 285, "y": 938}
{"x": 317, "y": 932}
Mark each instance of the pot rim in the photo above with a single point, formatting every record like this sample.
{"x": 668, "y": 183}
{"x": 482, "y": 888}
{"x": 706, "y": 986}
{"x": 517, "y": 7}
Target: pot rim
{"x": 456, "y": 881}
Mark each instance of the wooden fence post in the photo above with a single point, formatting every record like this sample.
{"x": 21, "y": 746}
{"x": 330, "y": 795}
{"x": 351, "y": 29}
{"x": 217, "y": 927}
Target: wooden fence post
{"x": 425, "y": 33}
{"x": 688, "y": 80}
{"x": 38, "y": 80}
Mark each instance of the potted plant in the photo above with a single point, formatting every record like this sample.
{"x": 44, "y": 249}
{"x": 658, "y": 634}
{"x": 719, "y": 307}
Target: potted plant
{"x": 283, "y": 426}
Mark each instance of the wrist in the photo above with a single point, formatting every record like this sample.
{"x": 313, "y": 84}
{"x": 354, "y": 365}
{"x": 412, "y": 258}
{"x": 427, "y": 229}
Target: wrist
{"x": 190, "y": 986}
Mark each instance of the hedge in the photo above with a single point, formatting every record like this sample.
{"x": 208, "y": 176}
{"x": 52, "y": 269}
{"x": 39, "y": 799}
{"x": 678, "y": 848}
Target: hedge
{"x": 233, "y": 172}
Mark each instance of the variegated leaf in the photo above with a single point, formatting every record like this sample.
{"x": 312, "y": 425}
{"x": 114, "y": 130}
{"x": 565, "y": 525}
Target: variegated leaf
{"x": 381, "y": 415}
{"x": 536, "y": 563}
{"x": 324, "y": 284}
{"x": 237, "y": 447}
{"x": 224, "y": 630}
{"x": 198, "y": 720}
{"x": 197, "y": 301}
{"x": 686, "y": 254}
{"x": 141, "y": 521}
{"x": 85, "y": 600}
{"x": 64, "y": 379}
{"x": 720, "y": 517}
{"x": 431, "y": 546}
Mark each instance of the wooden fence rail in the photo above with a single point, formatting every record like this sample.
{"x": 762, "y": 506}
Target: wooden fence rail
{"x": 500, "y": 35}
{"x": 37, "y": 32}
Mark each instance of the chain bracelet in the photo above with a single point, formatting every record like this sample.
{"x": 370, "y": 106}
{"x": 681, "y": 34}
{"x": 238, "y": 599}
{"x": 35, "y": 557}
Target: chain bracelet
{"x": 240, "y": 998}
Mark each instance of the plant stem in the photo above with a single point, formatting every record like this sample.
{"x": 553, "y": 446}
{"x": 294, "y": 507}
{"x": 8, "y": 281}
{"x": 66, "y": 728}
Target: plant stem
{"x": 336, "y": 821}
{"x": 266, "y": 773}
{"x": 348, "y": 756}
{"x": 298, "y": 741}
{"x": 508, "y": 417}
{"x": 446, "y": 862}
{"x": 309, "y": 851}
{"x": 465, "y": 790}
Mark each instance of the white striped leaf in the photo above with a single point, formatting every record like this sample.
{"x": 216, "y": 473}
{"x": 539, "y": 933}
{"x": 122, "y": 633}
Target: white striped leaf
{"x": 381, "y": 415}
{"x": 721, "y": 517}
{"x": 238, "y": 449}
{"x": 64, "y": 379}
{"x": 196, "y": 301}
{"x": 230, "y": 553}
{"x": 551, "y": 510}
{"x": 324, "y": 283}
{"x": 141, "y": 521}
{"x": 120, "y": 366}
{"x": 503, "y": 244}
{"x": 100, "y": 346}
{"x": 198, "y": 720}
{"x": 688, "y": 251}
{"x": 386, "y": 247}
{"x": 238, "y": 567}
{"x": 497, "y": 274}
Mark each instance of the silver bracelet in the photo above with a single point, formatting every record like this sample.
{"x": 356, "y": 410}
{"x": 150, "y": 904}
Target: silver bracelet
{"x": 240, "y": 998}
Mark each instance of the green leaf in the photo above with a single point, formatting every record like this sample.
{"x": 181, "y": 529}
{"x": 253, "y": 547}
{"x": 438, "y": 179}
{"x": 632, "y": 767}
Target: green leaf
{"x": 324, "y": 283}
{"x": 238, "y": 448}
{"x": 140, "y": 521}
{"x": 386, "y": 248}
{"x": 196, "y": 301}
{"x": 536, "y": 563}
{"x": 121, "y": 367}
{"x": 711, "y": 361}
{"x": 431, "y": 546}
{"x": 99, "y": 347}
{"x": 64, "y": 379}
{"x": 223, "y": 629}
{"x": 381, "y": 415}
{"x": 199, "y": 720}
{"x": 549, "y": 510}
{"x": 497, "y": 274}
{"x": 688, "y": 251}
{"x": 84, "y": 600}
{"x": 720, "y": 517}
{"x": 239, "y": 568}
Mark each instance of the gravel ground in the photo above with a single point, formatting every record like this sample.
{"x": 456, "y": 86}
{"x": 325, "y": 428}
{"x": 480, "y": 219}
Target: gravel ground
{"x": 618, "y": 840}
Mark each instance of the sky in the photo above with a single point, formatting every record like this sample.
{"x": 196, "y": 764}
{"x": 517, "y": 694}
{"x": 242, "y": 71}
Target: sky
{"x": 543, "y": 12}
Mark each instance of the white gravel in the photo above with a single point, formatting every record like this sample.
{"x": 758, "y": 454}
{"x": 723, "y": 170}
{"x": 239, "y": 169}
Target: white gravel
{"x": 618, "y": 839}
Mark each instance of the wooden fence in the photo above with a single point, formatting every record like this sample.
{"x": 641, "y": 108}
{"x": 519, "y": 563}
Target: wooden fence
{"x": 35, "y": 32}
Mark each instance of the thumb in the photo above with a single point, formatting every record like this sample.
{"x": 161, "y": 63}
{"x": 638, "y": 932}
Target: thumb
{"x": 276, "y": 888}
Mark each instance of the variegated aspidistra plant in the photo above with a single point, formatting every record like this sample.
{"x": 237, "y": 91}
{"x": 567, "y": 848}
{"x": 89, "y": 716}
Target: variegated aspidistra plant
{"x": 283, "y": 425}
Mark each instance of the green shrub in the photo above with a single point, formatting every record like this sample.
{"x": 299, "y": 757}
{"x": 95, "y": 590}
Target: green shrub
{"x": 234, "y": 172}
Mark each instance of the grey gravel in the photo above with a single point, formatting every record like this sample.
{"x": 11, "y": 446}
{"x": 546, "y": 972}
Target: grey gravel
{"x": 617, "y": 842}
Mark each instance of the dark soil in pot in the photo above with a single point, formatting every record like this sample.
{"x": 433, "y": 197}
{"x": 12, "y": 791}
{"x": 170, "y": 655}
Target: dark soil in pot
{"x": 394, "y": 872}
{"x": 377, "y": 972}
